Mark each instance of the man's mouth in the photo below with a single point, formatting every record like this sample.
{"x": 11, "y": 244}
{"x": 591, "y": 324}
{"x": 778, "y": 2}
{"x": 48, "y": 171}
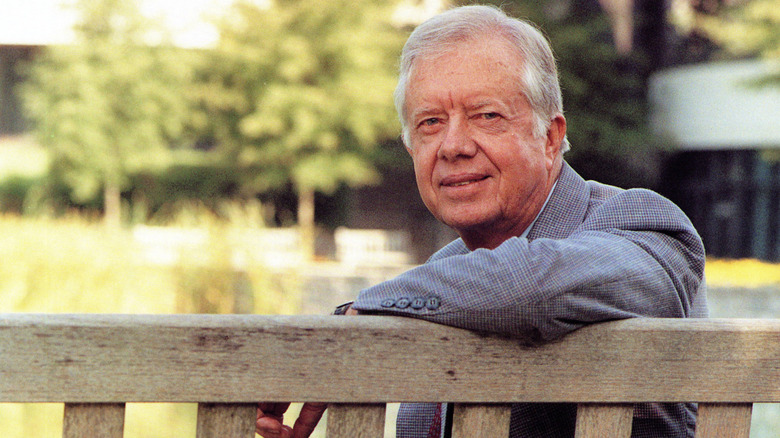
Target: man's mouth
{"x": 460, "y": 181}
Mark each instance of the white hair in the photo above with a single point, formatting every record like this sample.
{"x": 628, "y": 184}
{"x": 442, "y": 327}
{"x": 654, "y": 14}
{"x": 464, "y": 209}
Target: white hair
{"x": 437, "y": 35}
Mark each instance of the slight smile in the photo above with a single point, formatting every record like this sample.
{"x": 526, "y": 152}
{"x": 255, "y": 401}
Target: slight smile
{"x": 459, "y": 181}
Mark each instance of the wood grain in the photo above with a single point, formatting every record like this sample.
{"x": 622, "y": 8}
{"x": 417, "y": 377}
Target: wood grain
{"x": 94, "y": 420}
{"x": 480, "y": 421}
{"x": 604, "y": 420}
{"x": 219, "y": 420}
{"x": 724, "y": 420}
{"x": 346, "y": 420}
{"x": 246, "y": 358}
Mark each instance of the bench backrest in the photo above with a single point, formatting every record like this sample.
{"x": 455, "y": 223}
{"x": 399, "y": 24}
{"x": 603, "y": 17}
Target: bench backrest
{"x": 97, "y": 363}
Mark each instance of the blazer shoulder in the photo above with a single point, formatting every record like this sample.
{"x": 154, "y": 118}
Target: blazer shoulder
{"x": 632, "y": 209}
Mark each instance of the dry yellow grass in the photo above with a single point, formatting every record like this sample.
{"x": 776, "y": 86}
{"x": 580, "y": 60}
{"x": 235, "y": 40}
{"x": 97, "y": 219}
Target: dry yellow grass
{"x": 74, "y": 265}
{"x": 742, "y": 273}
{"x": 77, "y": 265}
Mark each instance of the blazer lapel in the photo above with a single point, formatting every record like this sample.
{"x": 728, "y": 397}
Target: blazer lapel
{"x": 566, "y": 208}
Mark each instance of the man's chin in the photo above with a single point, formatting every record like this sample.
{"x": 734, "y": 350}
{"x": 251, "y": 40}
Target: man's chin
{"x": 467, "y": 226}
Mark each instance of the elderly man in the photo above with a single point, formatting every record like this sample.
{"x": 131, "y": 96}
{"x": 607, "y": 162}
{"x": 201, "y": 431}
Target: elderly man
{"x": 541, "y": 252}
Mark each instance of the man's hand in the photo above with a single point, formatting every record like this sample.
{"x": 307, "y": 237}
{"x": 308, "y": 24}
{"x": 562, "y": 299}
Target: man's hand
{"x": 270, "y": 416}
{"x": 270, "y": 420}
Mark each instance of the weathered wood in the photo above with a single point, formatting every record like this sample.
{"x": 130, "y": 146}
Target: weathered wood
{"x": 246, "y": 358}
{"x": 219, "y": 420}
{"x": 346, "y": 420}
{"x": 724, "y": 420}
{"x": 480, "y": 421}
{"x": 604, "y": 420}
{"x": 94, "y": 420}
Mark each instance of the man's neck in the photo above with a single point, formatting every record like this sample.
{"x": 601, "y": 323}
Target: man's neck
{"x": 491, "y": 238}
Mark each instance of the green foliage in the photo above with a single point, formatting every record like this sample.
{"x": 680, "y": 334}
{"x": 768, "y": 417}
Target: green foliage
{"x": 748, "y": 28}
{"x": 110, "y": 105}
{"x": 153, "y": 191}
{"x": 296, "y": 94}
{"x": 605, "y": 106}
{"x": 301, "y": 92}
{"x": 13, "y": 191}
{"x": 198, "y": 177}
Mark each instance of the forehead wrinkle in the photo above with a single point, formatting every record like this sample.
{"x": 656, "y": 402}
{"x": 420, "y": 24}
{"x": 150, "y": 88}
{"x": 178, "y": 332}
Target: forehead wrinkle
{"x": 434, "y": 106}
{"x": 483, "y": 103}
{"x": 452, "y": 99}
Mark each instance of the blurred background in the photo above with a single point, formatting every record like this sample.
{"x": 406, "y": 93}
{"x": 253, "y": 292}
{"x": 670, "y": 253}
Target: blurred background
{"x": 219, "y": 156}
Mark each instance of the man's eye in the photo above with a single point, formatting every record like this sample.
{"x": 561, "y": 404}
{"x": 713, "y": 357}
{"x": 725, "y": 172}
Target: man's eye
{"x": 490, "y": 116}
{"x": 430, "y": 122}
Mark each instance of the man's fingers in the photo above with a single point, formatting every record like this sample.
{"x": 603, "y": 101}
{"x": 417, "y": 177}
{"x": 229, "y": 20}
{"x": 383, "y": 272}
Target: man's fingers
{"x": 270, "y": 419}
{"x": 310, "y": 415}
{"x": 274, "y": 432}
{"x": 273, "y": 409}
{"x": 268, "y": 427}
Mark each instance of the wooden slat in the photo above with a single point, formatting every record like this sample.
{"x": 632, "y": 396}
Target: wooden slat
{"x": 480, "y": 421}
{"x": 219, "y": 420}
{"x": 356, "y": 420}
{"x": 94, "y": 420}
{"x": 249, "y": 358}
{"x": 604, "y": 420}
{"x": 724, "y": 420}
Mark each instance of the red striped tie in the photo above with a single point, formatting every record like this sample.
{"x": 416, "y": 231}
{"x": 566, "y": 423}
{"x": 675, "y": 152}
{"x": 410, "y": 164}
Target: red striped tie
{"x": 435, "y": 430}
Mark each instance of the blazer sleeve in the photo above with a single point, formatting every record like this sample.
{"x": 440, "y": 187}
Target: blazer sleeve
{"x": 634, "y": 255}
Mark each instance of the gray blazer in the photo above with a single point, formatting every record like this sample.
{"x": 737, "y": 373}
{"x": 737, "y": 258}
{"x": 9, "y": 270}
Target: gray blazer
{"x": 595, "y": 253}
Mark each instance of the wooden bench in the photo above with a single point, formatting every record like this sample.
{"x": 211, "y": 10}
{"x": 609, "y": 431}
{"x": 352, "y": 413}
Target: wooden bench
{"x": 97, "y": 363}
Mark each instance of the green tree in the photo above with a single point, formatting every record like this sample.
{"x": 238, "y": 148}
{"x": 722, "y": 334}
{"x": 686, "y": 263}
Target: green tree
{"x": 749, "y": 28}
{"x": 300, "y": 92}
{"x": 108, "y": 105}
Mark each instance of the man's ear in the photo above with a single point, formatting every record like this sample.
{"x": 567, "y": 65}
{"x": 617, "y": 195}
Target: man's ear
{"x": 555, "y": 135}
{"x": 406, "y": 146}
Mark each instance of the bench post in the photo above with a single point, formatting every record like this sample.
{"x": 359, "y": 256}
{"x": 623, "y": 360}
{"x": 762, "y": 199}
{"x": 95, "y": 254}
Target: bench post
{"x": 480, "y": 420}
{"x": 217, "y": 420}
{"x": 730, "y": 420}
{"x": 597, "y": 420}
{"x": 94, "y": 420}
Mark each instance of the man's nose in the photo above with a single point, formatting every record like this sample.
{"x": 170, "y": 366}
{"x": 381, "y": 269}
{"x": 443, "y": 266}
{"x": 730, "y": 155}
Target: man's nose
{"x": 457, "y": 142}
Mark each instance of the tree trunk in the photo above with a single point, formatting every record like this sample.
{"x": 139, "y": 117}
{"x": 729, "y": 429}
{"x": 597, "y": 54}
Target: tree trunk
{"x": 112, "y": 206}
{"x": 306, "y": 221}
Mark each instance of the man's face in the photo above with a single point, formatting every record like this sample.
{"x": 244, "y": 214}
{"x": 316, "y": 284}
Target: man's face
{"x": 478, "y": 166}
